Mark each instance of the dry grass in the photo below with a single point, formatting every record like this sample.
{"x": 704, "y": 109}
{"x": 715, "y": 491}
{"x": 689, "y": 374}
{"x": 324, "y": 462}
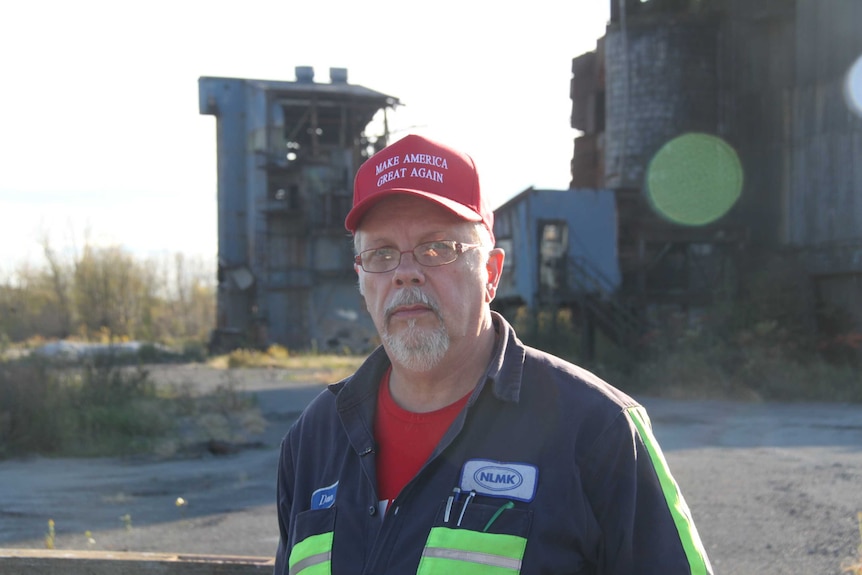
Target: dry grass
{"x": 296, "y": 367}
{"x": 854, "y": 566}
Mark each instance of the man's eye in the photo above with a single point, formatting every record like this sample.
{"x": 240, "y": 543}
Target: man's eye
{"x": 436, "y": 249}
{"x": 382, "y": 254}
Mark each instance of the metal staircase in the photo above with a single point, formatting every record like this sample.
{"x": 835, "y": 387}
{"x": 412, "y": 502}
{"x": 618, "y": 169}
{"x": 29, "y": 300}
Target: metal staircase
{"x": 600, "y": 304}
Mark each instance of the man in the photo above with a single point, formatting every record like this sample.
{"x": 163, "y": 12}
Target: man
{"x": 454, "y": 448}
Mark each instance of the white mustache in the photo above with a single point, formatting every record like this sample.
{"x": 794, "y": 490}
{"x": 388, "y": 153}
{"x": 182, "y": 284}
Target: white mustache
{"x": 411, "y": 296}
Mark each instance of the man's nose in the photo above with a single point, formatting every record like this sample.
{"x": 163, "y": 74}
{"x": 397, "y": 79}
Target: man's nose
{"x": 408, "y": 272}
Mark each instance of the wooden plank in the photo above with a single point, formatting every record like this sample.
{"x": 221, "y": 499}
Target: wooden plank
{"x": 50, "y": 562}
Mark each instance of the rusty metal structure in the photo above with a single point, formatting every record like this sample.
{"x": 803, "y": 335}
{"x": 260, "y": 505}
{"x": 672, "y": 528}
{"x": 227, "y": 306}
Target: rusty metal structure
{"x": 767, "y": 77}
{"x": 287, "y": 154}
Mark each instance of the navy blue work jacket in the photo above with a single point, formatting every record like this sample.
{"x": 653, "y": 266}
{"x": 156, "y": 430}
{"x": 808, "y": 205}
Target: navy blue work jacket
{"x": 547, "y": 470}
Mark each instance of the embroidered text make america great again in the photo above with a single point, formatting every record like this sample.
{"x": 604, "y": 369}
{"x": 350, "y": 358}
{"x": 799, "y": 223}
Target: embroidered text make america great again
{"x": 395, "y": 172}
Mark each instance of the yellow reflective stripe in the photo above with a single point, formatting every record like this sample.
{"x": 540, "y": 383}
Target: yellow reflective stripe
{"x": 471, "y": 553}
{"x": 694, "y": 551}
{"x": 312, "y": 556}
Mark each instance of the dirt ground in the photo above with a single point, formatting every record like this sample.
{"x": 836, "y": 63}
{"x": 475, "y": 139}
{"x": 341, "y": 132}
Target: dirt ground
{"x": 773, "y": 488}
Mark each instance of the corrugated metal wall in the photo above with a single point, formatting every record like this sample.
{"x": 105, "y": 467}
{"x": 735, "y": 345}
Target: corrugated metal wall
{"x": 757, "y": 75}
{"x": 826, "y": 191}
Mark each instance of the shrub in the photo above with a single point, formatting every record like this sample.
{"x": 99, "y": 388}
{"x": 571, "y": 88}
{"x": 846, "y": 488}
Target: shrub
{"x": 98, "y": 408}
{"x": 32, "y": 412}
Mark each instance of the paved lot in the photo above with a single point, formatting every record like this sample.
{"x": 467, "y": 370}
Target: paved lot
{"x": 774, "y": 488}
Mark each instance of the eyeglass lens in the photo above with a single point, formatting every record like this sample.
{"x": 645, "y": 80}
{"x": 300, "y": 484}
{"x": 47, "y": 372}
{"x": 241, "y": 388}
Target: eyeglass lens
{"x": 429, "y": 254}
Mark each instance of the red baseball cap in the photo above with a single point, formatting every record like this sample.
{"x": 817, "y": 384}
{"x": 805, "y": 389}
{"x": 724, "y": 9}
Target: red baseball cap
{"x": 423, "y": 168}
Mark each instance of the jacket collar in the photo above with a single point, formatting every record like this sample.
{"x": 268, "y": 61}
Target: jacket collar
{"x": 506, "y": 369}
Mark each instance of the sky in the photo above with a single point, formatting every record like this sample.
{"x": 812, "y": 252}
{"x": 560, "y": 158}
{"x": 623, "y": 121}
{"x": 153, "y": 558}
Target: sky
{"x": 102, "y": 142}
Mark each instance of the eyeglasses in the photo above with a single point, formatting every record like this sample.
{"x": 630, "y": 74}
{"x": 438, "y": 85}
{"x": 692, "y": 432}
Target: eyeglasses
{"x": 429, "y": 254}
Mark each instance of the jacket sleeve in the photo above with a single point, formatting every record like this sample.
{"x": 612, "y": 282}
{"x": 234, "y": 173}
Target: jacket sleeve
{"x": 646, "y": 525}
{"x": 284, "y": 498}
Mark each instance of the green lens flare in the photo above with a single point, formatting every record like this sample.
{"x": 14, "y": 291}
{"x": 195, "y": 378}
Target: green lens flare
{"x": 694, "y": 179}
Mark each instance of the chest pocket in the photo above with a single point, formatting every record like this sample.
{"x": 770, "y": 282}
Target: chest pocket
{"x": 312, "y": 549}
{"x": 490, "y": 540}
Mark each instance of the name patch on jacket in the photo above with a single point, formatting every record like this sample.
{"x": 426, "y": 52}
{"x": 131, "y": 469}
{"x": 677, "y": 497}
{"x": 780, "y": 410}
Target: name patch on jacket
{"x": 324, "y": 497}
{"x": 500, "y": 479}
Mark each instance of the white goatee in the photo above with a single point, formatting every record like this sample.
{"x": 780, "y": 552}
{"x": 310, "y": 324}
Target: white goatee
{"x": 416, "y": 348}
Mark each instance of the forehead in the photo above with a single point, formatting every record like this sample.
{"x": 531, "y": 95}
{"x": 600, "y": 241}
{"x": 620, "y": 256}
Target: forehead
{"x": 409, "y": 213}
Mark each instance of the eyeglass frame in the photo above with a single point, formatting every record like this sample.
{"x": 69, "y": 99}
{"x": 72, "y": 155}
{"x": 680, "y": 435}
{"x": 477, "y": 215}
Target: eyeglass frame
{"x": 460, "y": 249}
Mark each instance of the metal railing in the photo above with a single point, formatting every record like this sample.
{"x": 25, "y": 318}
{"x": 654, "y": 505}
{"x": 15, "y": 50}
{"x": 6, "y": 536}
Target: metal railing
{"x": 597, "y": 294}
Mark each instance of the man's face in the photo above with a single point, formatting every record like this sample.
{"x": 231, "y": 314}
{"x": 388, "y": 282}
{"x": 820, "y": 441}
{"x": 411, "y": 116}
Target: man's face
{"x": 422, "y": 312}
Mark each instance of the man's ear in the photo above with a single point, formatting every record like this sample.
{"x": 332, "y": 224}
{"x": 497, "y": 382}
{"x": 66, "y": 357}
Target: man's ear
{"x": 494, "y": 266}
{"x": 359, "y": 280}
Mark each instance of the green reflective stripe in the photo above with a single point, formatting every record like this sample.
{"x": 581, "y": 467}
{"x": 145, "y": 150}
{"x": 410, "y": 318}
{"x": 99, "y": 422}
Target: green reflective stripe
{"x": 691, "y": 543}
{"x": 312, "y": 555}
{"x": 471, "y": 553}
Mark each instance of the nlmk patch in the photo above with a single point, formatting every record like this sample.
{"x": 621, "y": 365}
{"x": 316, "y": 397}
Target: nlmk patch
{"x": 500, "y": 479}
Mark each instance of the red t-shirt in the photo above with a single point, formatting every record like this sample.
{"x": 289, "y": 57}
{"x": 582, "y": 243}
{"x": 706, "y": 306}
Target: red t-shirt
{"x": 405, "y": 440}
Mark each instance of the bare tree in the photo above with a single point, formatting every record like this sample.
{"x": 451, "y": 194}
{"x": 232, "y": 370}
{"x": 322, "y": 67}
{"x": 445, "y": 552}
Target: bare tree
{"x": 109, "y": 289}
{"x": 60, "y": 281}
{"x": 104, "y": 291}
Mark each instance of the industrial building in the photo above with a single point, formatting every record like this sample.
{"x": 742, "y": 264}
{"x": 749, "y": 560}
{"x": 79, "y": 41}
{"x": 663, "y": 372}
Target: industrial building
{"x": 287, "y": 154}
{"x": 769, "y": 78}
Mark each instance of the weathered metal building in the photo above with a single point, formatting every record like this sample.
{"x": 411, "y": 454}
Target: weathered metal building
{"x": 767, "y": 77}
{"x": 561, "y": 252}
{"x": 287, "y": 154}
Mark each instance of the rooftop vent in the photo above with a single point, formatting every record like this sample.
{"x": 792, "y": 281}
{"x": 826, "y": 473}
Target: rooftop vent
{"x": 305, "y": 74}
{"x": 338, "y": 75}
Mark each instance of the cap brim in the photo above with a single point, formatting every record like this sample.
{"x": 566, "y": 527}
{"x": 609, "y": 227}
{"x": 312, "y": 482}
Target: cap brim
{"x": 359, "y": 210}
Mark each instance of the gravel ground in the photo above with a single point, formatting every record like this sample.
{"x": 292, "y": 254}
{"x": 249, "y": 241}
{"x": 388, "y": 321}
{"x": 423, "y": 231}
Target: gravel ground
{"x": 773, "y": 488}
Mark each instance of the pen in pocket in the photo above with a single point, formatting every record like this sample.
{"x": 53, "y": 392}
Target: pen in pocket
{"x": 463, "y": 509}
{"x": 456, "y": 494}
{"x": 507, "y": 505}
